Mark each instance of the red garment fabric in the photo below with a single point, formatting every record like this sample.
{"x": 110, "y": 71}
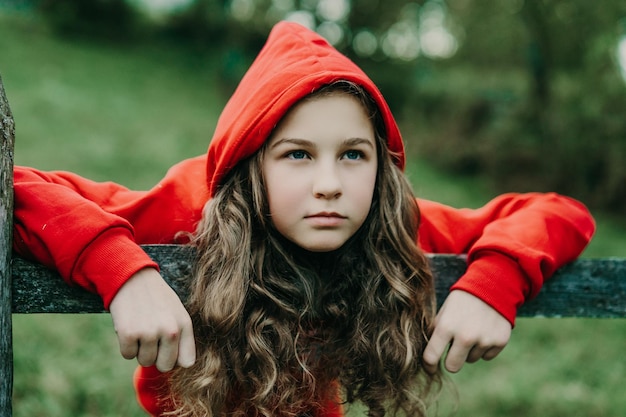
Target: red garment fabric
{"x": 90, "y": 231}
{"x": 294, "y": 62}
{"x": 151, "y": 389}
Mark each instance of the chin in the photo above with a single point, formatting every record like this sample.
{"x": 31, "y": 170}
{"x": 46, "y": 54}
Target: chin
{"x": 322, "y": 248}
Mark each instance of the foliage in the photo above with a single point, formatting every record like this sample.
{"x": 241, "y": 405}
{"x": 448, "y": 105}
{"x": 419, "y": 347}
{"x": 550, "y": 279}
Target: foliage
{"x": 103, "y": 19}
{"x": 575, "y": 144}
{"x": 554, "y": 117}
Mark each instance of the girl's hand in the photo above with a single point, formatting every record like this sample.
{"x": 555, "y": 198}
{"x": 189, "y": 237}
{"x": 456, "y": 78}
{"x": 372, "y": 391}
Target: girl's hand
{"x": 471, "y": 328}
{"x": 152, "y": 324}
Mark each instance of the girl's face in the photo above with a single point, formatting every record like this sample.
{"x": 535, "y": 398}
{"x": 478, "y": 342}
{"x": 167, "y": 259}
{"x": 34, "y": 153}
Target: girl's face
{"x": 320, "y": 170}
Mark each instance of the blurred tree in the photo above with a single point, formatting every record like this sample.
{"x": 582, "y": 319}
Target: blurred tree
{"x": 241, "y": 26}
{"x": 538, "y": 102}
{"x": 103, "y": 19}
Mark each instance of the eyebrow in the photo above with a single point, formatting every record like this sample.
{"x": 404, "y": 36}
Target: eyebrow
{"x": 308, "y": 143}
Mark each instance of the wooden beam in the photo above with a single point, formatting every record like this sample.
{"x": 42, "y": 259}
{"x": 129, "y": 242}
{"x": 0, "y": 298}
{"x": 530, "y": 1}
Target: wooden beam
{"x": 584, "y": 288}
{"x": 7, "y": 138}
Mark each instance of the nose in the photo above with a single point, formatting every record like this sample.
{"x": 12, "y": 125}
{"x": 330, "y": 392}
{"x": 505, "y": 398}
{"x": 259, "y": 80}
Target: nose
{"x": 327, "y": 182}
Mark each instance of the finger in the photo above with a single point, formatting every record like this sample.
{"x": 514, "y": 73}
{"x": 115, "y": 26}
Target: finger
{"x": 148, "y": 349}
{"x": 434, "y": 351}
{"x": 128, "y": 347}
{"x": 457, "y": 355}
{"x": 187, "y": 347}
{"x": 492, "y": 353}
{"x": 167, "y": 353}
{"x": 475, "y": 354}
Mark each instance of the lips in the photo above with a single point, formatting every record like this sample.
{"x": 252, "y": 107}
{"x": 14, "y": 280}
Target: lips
{"x": 326, "y": 214}
{"x": 326, "y": 219}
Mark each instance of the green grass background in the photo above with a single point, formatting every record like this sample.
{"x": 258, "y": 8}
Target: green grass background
{"x": 128, "y": 112}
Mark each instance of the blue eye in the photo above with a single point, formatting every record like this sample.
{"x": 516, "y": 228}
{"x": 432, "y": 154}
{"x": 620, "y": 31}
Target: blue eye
{"x": 297, "y": 155}
{"x": 353, "y": 155}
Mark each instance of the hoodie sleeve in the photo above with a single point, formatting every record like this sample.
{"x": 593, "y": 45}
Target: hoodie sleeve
{"x": 513, "y": 244}
{"x": 90, "y": 232}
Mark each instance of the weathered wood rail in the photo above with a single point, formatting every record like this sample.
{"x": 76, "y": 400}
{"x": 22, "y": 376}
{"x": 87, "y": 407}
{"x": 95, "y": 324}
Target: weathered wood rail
{"x": 585, "y": 288}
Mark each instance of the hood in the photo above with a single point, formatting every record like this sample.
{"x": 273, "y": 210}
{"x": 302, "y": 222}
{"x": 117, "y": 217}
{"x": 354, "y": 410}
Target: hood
{"x": 294, "y": 62}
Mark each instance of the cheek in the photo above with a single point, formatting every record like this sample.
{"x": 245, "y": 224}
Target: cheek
{"x": 283, "y": 205}
{"x": 283, "y": 194}
{"x": 364, "y": 193}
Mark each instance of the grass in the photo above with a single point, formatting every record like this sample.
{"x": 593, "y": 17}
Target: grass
{"x": 127, "y": 113}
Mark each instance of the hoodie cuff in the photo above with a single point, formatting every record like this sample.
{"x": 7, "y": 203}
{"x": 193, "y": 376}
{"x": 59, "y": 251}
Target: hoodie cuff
{"x": 497, "y": 280}
{"x": 108, "y": 262}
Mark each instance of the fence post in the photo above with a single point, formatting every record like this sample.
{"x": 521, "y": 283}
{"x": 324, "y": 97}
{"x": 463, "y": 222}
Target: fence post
{"x": 7, "y": 137}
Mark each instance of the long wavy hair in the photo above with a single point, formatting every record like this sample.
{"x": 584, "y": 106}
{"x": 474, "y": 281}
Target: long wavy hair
{"x": 285, "y": 332}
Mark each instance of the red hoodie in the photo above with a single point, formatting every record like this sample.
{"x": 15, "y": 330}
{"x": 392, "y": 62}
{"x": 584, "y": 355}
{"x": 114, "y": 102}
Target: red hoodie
{"x": 90, "y": 231}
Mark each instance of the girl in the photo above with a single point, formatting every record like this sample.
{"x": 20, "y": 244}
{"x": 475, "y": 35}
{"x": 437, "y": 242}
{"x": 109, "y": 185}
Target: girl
{"x": 282, "y": 301}
{"x": 309, "y": 288}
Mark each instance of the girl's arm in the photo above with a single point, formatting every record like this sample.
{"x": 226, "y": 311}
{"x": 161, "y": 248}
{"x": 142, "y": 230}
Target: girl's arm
{"x": 90, "y": 232}
{"x": 513, "y": 244}
{"x": 59, "y": 226}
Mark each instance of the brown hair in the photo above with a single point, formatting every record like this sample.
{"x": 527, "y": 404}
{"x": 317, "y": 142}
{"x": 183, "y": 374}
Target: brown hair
{"x": 283, "y": 332}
